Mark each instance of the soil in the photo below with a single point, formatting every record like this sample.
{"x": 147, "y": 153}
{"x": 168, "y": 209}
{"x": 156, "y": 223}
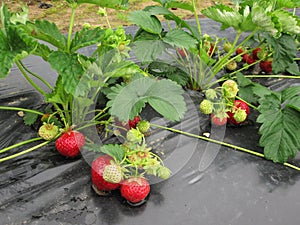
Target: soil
{"x": 59, "y": 12}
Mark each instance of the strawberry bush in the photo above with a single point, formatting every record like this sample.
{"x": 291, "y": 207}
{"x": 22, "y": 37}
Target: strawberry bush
{"x": 108, "y": 90}
{"x": 265, "y": 46}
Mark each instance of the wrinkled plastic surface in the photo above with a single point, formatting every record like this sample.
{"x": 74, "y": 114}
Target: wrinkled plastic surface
{"x": 233, "y": 188}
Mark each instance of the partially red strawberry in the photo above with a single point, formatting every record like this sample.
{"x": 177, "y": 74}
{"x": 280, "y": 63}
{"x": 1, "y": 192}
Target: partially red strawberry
{"x": 248, "y": 59}
{"x": 239, "y": 112}
{"x": 239, "y": 51}
{"x": 132, "y": 123}
{"x": 70, "y": 143}
{"x": 98, "y": 166}
{"x": 266, "y": 65}
{"x": 255, "y": 53}
{"x": 182, "y": 52}
{"x": 218, "y": 120}
{"x": 135, "y": 189}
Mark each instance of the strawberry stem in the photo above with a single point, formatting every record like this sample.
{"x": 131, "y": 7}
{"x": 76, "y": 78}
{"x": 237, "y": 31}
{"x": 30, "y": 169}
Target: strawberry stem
{"x": 20, "y": 144}
{"x": 24, "y": 152}
{"x": 23, "y": 71}
{"x": 21, "y": 109}
{"x": 221, "y": 143}
{"x": 252, "y": 106}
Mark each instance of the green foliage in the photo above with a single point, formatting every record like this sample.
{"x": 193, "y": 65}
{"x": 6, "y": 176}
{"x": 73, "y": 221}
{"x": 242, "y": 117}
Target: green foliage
{"x": 285, "y": 50}
{"x": 114, "y": 150}
{"x": 30, "y": 118}
{"x": 68, "y": 67}
{"x": 165, "y": 96}
{"x": 87, "y": 37}
{"x": 280, "y": 118}
{"x": 170, "y": 71}
{"x": 146, "y": 21}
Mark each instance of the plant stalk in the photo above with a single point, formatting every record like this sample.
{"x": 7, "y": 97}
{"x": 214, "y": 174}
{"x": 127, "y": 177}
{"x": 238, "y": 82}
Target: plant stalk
{"x": 24, "y": 152}
{"x": 20, "y": 144}
{"x": 21, "y": 109}
{"x": 23, "y": 71}
{"x": 36, "y": 76}
{"x": 73, "y": 6}
{"x": 221, "y": 143}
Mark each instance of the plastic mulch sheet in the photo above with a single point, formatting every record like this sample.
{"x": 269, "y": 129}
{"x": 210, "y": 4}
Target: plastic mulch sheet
{"x": 210, "y": 185}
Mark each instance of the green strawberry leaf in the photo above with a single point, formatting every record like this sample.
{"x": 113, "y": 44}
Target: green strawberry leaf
{"x": 30, "y": 118}
{"x": 47, "y": 31}
{"x": 114, "y": 150}
{"x": 294, "y": 103}
{"x": 180, "y": 38}
{"x": 113, "y": 4}
{"x": 279, "y": 131}
{"x": 288, "y": 23}
{"x": 163, "y": 69}
{"x": 58, "y": 95}
{"x": 292, "y": 96}
{"x": 6, "y": 56}
{"x": 246, "y": 89}
{"x": 290, "y": 92}
{"x": 43, "y": 51}
{"x": 146, "y": 21}
{"x": 87, "y": 37}
{"x": 261, "y": 17}
{"x": 67, "y": 66}
{"x": 165, "y": 96}
{"x": 285, "y": 50}
{"x": 14, "y": 45}
{"x": 281, "y": 4}
{"x": 225, "y": 15}
{"x": 154, "y": 50}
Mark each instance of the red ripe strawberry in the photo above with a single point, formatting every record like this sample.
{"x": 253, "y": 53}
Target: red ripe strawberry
{"x": 239, "y": 51}
{"x": 218, "y": 120}
{"x": 135, "y": 189}
{"x": 70, "y": 143}
{"x": 182, "y": 52}
{"x": 248, "y": 59}
{"x": 266, "y": 66}
{"x": 255, "y": 53}
{"x": 98, "y": 167}
{"x": 238, "y": 106}
{"x": 132, "y": 123}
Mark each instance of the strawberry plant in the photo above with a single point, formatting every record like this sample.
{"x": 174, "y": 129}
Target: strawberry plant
{"x": 266, "y": 34}
{"x": 127, "y": 166}
{"x": 81, "y": 79}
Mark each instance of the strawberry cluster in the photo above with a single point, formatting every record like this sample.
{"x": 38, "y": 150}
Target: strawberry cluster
{"x": 259, "y": 54}
{"x": 126, "y": 165}
{"x": 223, "y": 107}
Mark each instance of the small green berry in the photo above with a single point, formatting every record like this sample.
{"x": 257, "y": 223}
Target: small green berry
{"x": 206, "y": 106}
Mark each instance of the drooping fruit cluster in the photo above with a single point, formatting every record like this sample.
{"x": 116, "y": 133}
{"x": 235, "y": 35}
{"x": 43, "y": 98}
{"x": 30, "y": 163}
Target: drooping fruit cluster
{"x": 223, "y": 107}
{"x": 246, "y": 56}
{"x": 125, "y": 166}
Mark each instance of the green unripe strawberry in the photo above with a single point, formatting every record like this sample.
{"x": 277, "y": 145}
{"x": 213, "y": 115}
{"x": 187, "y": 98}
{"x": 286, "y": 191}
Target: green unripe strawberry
{"x": 240, "y": 115}
{"x": 134, "y": 135}
{"x": 48, "y": 131}
{"x": 112, "y": 173}
{"x": 164, "y": 172}
{"x": 230, "y": 88}
{"x": 143, "y": 126}
{"x": 206, "y": 106}
{"x": 231, "y": 65}
{"x": 210, "y": 94}
{"x": 227, "y": 46}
